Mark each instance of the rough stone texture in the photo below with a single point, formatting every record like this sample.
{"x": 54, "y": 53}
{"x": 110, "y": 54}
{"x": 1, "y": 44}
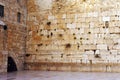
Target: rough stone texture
{"x": 12, "y": 40}
{"x": 73, "y": 35}
{"x": 3, "y": 56}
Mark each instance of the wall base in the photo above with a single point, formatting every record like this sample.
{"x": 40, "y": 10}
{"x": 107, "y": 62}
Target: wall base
{"x": 73, "y": 67}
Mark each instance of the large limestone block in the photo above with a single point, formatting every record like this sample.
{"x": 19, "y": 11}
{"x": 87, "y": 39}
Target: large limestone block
{"x": 102, "y": 46}
{"x": 104, "y": 51}
{"x": 89, "y": 52}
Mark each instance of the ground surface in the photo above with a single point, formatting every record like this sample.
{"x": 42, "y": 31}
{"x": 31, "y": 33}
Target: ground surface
{"x": 43, "y": 75}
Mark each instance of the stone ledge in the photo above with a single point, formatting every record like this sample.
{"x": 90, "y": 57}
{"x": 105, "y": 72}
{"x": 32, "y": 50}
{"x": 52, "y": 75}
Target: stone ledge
{"x": 53, "y": 66}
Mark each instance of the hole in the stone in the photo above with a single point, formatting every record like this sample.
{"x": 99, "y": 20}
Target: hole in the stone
{"x": 48, "y": 23}
{"x": 56, "y": 0}
{"x": 40, "y": 29}
{"x": 68, "y": 45}
{"x": 60, "y": 35}
{"x": 89, "y": 32}
{"x": 116, "y": 43}
{"x": 73, "y": 33}
{"x": 90, "y": 61}
{"x": 54, "y": 29}
{"x": 97, "y": 56}
{"x": 37, "y": 31}
{"x": 36, "y": 50}
{"x": 27, "y": 55}
{"x": 87, "y": 38}
{"x": 51, "y": 34}
{"x": 81, "y": 38}
{"x": 61, "y": 55}
{"x": 94, "y": 51}
{"x": 106, "y": 24}
{"x": 115, "y": 15}
{"x": 68, "y": 55}
{"x": 40, "y": 44}
{"x": 41, "y": 35}
{"x": 84, "y": 0}
{"x": 5, "y": 27}
{"x": 78, "y": 46}
{"x": 48, "y": 36}
{"x": 75, "y": 38}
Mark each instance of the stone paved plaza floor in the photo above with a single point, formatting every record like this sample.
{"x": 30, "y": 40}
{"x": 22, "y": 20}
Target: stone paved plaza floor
{"x": 50, "y": 75}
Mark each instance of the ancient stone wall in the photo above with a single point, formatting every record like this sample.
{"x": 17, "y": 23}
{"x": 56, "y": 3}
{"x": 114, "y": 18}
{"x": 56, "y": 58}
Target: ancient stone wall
{"x": 12, "y": 38}
{"x": 2, "y": 63}
{"x": 73, "y": 35}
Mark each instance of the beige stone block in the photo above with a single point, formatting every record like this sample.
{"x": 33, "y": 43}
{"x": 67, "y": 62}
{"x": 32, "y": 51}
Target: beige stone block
{"x": 86, "y": 68}
{"x": 102, "y": 46}
{"x": 54, "y": 47}
{"x": 116, "y": 47}
{"x": 114, "y": 30}
{"x": 108, "y": 41}
{"x": 113, "y": 52}
{"x": 61, "y": 47}
{"x": 91, "y": 57}
{"x": 85, "y": 57}
{"x": 90, "y": 47}
{"x": 85, "y": 61}
{"x": 118, "y": 40}
{"x": 97, "y": 52}
{"x": 99, "y": 68}
{"x": 89, "y": 52}
{"x": 103, "y": 51}
{"x": 73, "y": 47}
{"x": 117, "y": 57}
{"x": 88, "y": 42}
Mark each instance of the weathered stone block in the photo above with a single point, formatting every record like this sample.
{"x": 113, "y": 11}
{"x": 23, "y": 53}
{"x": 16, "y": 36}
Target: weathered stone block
{"x": 102, "y": 46}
